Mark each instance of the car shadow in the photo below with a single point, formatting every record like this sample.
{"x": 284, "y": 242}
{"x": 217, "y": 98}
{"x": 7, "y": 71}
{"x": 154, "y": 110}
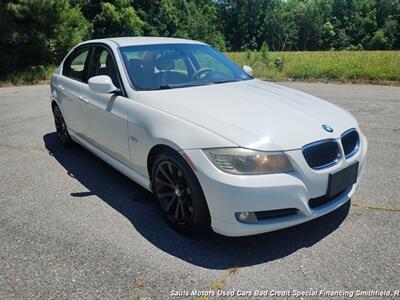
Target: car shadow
{"x": 211, "y": 250}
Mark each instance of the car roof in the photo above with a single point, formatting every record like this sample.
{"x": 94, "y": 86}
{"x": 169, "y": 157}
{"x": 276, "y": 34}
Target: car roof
{"x": 142, "y": 40}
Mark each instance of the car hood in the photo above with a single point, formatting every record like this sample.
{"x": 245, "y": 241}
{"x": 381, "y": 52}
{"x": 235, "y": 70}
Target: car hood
{"x": 254, "y": 114}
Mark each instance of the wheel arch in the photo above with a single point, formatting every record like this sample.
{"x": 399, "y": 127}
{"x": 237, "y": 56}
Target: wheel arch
{"x": 156, "y": 150}
{"x": 204, "y": 219}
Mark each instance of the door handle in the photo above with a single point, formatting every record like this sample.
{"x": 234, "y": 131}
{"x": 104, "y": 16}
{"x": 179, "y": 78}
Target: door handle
{"x": 61, "y": 87}
{"x": 84, "y": 99}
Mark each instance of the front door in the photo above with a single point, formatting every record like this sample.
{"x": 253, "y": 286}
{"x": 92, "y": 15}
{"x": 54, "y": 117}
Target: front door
{"x": 105, "y": 115}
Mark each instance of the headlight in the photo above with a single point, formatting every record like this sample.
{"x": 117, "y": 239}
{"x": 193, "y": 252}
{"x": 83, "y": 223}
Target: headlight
{"x": 249, "y": 162}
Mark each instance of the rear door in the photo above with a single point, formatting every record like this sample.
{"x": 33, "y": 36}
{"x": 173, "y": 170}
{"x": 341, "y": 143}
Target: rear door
{"x": 70, "y": 86}
{"x": 105, "y": 115}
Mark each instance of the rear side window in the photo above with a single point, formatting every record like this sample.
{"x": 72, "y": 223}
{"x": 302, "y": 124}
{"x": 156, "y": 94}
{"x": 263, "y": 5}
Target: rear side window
{"x": 74, "y": 65}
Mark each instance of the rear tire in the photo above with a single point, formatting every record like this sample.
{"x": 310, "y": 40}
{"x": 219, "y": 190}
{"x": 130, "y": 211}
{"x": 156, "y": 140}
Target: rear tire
{"x": 179, "y": 194}
{"x": 61, "y": 127}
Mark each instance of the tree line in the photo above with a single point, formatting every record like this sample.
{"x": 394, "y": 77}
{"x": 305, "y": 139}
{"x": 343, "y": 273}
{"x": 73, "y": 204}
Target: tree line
{"x": 40, "y": 32}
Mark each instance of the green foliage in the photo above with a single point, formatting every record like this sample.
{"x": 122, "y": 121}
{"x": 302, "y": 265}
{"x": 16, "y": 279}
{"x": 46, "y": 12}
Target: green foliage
{"x": 241, "y": 22}
{"x": 118, "y": 19}
{"x": 358, "y": 47}
{"x": 182, "y": 18}
{"x": 378, "y": 41}
{"x": 264, "y": 53}
{"x": 38, "y": 32}
{"x": 310, "y": 24}
{"x": 71, "y": 29}
{"x": 33, "y": 74}
{"x": 354, "y": 66}
{"x": 391, "y": 30}
{"x": 41, "y": 32}
{"x": 369, "y": 66}
{"x": 327, "y": 35}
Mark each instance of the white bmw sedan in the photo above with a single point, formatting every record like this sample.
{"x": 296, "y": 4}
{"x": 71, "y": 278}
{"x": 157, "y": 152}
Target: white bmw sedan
{"x": 217, "y": 147}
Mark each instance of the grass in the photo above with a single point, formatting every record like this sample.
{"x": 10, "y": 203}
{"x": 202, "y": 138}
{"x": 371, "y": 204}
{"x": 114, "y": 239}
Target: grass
{"x": 381, "y": 67}
{"x": 31, "y": 75}
{"x": 347, "y": 66}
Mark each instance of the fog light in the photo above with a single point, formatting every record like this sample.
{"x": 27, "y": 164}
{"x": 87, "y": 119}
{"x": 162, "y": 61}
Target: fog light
{"x": 246, "y": 217}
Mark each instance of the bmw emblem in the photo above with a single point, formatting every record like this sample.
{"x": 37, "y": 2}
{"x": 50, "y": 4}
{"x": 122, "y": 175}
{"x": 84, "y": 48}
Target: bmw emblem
{"x": 327, "y": 128}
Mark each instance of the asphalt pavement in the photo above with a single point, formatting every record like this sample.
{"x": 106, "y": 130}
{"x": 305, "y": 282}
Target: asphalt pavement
{"x": 72, "y": 227}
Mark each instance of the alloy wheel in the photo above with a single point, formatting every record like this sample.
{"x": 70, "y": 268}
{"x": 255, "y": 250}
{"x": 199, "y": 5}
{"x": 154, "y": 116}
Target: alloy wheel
{"x": 61, "y": 127}
{"x": 174, "y": 193}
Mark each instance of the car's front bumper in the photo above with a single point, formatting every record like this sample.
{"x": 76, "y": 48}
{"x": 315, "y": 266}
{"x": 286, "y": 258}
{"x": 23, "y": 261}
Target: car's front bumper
{"x": 228, "y": 194}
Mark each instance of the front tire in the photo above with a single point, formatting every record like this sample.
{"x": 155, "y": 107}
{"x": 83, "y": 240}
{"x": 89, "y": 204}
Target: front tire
{"x": 61, "y": 127}
{"x": 179, "y": 194}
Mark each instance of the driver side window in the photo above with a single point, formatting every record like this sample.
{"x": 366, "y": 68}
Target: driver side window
{"x": 170, "y": 68}
{"x": 102, "y": 63}
{"x": 171, "y": 62}
{"x": 180, "y": 66}
{"x": 207, "y": 61}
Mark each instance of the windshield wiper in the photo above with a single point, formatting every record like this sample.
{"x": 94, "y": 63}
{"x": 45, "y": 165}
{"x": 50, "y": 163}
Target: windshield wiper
{"x": 183, "y": 85}
{"x": 165, "y": 86}
{"x": 179, "y": 85}
{"x": 225, "y": 81}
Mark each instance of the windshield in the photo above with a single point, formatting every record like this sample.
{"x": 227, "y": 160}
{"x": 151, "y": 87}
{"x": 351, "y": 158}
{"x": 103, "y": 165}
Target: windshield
{"x": 166, "y": 66}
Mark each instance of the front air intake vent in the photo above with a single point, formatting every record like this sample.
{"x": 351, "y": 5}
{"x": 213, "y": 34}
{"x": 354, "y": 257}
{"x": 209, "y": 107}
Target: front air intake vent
{"x": 321, "y": 154}
{"x": 350, "y": 142}
{"x": 276, "y": 213}
{"x": 320, "y": 201}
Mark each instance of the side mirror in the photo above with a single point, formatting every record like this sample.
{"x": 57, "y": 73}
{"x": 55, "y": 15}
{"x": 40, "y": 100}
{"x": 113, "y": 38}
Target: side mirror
{"x": 248, "y": 70}
{"x": 103, "y": 85}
